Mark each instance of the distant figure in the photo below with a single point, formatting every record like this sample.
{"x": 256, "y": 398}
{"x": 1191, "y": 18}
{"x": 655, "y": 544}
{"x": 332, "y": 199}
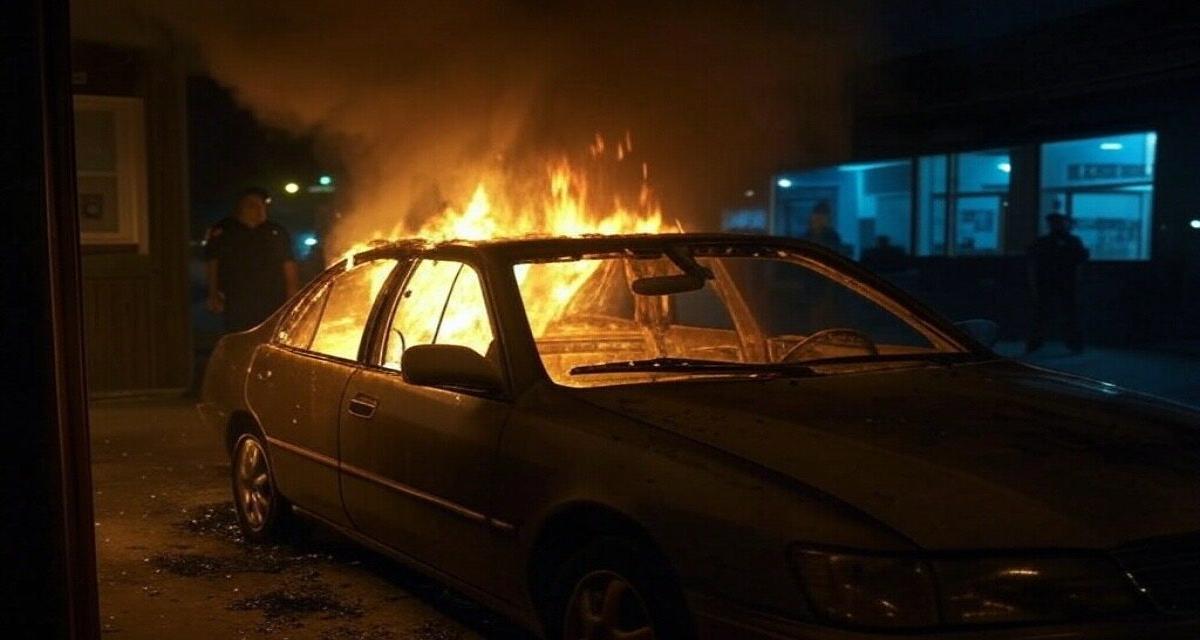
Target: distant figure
{"x": 1054, "y": 261}
{"x": 251, "y": 269}
{"x": 885, "y": 256}
{"x": 820, "y": 228}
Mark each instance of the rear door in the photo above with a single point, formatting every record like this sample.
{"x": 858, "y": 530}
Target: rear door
{"x": 417, "y": 462}
{"x": 296, "y": 383}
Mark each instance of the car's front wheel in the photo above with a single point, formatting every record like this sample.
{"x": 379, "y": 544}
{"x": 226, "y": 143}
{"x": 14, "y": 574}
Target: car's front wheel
{"x": 261, "y": 511}
{"x": 616, "y": 589}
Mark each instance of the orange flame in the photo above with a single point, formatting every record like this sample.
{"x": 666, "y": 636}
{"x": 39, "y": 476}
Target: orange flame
{"x": 561, "y": 210}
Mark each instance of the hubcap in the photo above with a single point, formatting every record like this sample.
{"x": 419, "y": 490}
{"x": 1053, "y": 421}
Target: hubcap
{"x": 606, "y": 607}
{"x": 253, "y": 483}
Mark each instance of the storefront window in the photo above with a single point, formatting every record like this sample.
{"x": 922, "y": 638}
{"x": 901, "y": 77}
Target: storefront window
{"x": 867, "y": 203}
{"x": 1106, "y": 186}
{"x": 963, "y": 196}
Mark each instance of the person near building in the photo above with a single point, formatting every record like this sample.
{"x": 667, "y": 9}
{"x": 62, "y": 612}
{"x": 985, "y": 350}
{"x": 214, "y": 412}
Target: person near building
{"x": 820, "y": 228}
{"x": 250, "y": 267}
{"x": 1054, "y": 262}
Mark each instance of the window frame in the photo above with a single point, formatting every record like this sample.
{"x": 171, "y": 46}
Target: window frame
{"x": 129, "y": 134}
{"x": 329, "y": 278}
{"x": 372, "y": 355}
{"x": 1067, "y": 193}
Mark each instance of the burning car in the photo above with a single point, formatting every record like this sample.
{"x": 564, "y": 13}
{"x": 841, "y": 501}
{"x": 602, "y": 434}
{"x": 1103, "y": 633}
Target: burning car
{"x": 677, "y": 435}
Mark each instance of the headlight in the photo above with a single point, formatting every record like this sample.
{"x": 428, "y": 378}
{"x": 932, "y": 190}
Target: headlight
{"x": 883, "y": 591}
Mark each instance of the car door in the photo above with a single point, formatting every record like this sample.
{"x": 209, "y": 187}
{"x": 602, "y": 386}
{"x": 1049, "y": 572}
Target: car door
{"x": 296, "y": 382}
{"x": 418, "y": 462}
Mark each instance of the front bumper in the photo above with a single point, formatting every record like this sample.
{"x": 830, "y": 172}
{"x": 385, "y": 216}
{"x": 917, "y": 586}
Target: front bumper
{"x": 717, "y": 620}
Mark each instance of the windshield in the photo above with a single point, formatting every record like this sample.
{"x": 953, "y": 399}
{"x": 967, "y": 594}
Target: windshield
{"x": 711, "y": 310}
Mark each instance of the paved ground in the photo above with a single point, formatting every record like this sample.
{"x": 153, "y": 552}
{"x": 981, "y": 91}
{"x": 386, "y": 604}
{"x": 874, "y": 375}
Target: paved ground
{"x": 171, "y": 564}
{"x": 1170, "y": 371}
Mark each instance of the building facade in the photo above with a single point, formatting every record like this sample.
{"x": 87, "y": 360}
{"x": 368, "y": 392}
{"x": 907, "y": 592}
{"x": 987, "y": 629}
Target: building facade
{"x": 959, "y": 154}
{"x": 128, "y": 81}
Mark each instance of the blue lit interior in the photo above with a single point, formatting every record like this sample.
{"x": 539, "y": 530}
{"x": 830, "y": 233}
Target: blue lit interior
{"x": 1103, "y": 183}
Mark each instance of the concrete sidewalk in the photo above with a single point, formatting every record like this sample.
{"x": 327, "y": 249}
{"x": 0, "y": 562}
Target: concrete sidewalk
{"x": 1168, "y": 371}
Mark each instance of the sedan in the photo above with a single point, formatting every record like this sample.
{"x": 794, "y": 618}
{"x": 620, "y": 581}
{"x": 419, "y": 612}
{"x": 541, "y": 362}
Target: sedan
{"x": 704, "y": 435}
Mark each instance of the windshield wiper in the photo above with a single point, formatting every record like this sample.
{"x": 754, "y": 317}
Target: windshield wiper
{"x": 693, "y": 366}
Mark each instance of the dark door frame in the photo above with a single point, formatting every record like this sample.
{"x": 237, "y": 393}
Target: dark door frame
{"x": 46, "y": 495}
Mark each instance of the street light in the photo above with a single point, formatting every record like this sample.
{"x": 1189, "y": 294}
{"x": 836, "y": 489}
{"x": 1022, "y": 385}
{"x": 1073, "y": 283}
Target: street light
{"x": 291, "y": 187}
{"x": 784, "y": 183}
{"x": 325, "y": 181}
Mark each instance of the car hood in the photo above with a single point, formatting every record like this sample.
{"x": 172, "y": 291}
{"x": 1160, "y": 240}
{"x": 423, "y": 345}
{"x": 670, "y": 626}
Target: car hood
{"x": 978, "y": 456}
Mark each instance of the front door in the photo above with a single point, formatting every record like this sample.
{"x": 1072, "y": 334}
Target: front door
{"x": 418, "y": 462}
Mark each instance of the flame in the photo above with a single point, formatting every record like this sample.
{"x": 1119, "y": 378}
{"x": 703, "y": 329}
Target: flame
{"x": 564, "y": 208}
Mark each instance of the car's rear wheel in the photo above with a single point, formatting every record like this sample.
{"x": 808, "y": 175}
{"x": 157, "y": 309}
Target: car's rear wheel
{"x": 614, "y": 589}
{"x": 262, "y": 512}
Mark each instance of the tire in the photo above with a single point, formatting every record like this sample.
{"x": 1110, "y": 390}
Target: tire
{"x": 615, "y": 588}
{"x": 263, "y": 514}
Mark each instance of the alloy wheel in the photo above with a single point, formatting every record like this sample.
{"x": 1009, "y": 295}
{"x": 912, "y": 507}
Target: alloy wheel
{"x": 253, "y": 484}
{"x": 605, "y": 606}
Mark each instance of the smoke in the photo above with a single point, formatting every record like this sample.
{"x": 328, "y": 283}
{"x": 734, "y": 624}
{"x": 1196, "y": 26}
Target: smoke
{"x": 418, "y": 99}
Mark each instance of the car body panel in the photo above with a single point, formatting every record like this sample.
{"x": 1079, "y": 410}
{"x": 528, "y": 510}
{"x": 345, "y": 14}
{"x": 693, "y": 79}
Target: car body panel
{"x": 722, "y": 475}
{"x": 289, "y": 391}
{"x": 420, "y": 471}
{"x": 1068, "y": 464}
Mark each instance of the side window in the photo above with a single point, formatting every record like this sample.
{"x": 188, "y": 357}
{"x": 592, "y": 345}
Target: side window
{"x": 348, "y": 307}
{"x": 465, "y": 321}
{"x": 298, "y": 328}
{"x": 442, "y": 303}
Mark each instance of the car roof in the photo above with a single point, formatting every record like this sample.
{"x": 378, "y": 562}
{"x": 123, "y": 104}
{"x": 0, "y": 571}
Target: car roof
{"x": 533, "y": 247}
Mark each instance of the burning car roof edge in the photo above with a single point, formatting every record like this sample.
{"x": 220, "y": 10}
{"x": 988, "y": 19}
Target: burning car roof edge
{"x": 593, "y": 242}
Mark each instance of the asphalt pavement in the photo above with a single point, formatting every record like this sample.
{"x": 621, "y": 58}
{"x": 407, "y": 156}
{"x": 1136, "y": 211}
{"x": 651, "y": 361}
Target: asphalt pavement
{"x": 172, "y": 564}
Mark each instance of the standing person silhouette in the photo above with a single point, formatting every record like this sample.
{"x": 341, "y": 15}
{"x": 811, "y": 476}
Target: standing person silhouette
{"x": 1054, "y": 261}
{"x": 250, "y": 266}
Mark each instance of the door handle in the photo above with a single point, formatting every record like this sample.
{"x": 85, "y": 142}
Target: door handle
{"x": 362, "y": 406}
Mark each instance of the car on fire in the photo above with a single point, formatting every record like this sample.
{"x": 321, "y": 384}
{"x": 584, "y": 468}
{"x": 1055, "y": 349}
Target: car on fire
{"x": 706, "y": 435}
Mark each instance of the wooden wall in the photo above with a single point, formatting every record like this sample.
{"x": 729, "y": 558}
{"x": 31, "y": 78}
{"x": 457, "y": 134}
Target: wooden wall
{"x": 137, "y": 330}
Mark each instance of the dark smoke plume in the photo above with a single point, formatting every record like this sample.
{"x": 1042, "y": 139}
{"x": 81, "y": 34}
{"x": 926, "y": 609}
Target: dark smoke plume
{"x": 420, "y": 98}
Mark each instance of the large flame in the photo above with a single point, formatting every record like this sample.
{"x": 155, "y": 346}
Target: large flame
{"x": 564, "y": 208}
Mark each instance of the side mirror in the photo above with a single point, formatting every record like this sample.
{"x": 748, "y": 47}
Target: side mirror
{"x": 667, "y": 285}
{"x": 449, "y": 365}
{"x": 984, "y": 331}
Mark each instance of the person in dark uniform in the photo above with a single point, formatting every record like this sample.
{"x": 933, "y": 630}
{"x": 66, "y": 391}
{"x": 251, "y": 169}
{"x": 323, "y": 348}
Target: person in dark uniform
{"x": 1054, "y": 261}
{"x": 820, "y": 228}
{"x": 250, "y": 266}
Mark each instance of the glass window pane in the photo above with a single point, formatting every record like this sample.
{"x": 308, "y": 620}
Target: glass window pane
{"x": 300, "y": 325}
{"x": 348, "y": 307}
{"x": 1106, "y": 186}
{"x": 95, "y": 141}
{"x": 99, "y": 203}
{"x": 415, "y": 320}
{"x": 849, "y": 207}
{"x": 977, "y": 225}
{"x": 983, "y": 171}
{"x": 465, "y": 320}
{"x": 1112, "y": 225}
